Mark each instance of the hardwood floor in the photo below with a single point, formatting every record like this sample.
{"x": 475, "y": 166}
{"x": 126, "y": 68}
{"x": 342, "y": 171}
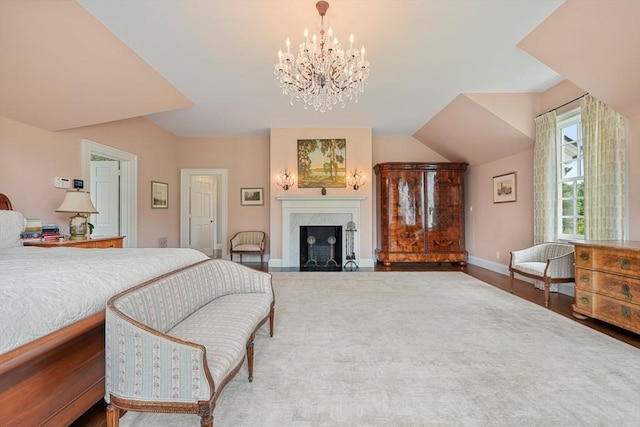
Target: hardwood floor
{"x": 558, "y": 303}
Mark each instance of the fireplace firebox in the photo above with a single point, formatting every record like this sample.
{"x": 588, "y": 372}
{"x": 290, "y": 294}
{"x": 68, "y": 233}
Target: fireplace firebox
{"x": 320, "y": 248}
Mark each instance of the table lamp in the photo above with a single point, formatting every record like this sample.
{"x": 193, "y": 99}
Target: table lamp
{"x": 78, "y": 202}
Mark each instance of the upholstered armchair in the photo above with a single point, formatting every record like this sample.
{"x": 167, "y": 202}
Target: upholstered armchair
{"x": 547, "y": 262}
{"x": 244, "y": 242}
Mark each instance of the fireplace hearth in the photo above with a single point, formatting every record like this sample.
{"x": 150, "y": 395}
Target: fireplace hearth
{"x": 320, "y": 248}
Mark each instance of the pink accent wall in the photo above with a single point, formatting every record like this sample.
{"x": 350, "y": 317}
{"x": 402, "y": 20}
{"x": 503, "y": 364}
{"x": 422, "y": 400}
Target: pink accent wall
{"x": 504, "y": 227}
{"x": 247, "y": 162}
{"x": 283, "y": 154}
{"x": 499, "y": 227}
{"x": 30, "y": 158}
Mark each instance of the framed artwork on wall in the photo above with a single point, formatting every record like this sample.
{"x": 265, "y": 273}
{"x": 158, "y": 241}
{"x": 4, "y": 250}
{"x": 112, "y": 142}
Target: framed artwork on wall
{"x": 504, "y": 188}
{"x": 159, "y": 195}
{"x": 321, "y": 163}
{"x": 252, "y": 196}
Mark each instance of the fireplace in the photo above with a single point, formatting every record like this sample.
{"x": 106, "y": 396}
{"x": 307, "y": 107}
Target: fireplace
{"x": 320, "y": 248}
{"x": 309, "y": 210}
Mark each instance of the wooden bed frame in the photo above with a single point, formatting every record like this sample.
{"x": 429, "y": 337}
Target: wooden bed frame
{"x": 55, "y": 379}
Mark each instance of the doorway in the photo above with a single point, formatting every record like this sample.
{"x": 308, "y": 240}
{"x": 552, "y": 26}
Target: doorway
{"x": 196, "y": 228}
{"x": 126, "y": 209}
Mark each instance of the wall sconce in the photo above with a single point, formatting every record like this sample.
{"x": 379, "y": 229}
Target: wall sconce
{"x": 285, "y": 180}
{"x": 355, "y": 179}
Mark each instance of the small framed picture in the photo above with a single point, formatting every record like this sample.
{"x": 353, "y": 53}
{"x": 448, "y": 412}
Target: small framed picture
{"x": 159, "y": 195}
{"x": 252, "y": 196}
{"x": 504, "y": 188}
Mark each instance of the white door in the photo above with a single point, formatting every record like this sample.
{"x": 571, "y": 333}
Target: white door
{"x": 105, "y": 194}
{"x": 202, "y": 213}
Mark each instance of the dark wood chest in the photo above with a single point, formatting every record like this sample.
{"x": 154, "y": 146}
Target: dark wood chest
{"x": 420, "y": 212}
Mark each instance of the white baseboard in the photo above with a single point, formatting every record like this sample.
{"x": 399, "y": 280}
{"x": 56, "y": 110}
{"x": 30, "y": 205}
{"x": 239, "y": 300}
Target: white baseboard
{"x": 563, "y": 288}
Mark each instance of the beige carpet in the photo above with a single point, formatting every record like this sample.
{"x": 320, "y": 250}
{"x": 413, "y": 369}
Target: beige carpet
{"x": 422, "y": 349}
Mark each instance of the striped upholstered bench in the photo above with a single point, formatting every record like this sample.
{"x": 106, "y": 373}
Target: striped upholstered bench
{"x": 174, "y": 342}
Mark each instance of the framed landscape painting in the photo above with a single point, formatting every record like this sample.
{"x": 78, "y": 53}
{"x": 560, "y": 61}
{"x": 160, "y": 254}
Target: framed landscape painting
{"x": 251, "y": 196}
{"x": 504, "y": 188}
{"x": 321, "y": 163}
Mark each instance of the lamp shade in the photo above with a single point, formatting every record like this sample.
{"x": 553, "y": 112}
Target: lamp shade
{"x": 77, "y": 202}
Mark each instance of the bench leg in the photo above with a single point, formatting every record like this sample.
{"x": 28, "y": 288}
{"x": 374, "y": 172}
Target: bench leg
{"x": 511, "y": 281}
{"x": 113, "y": 416}
{"x": 250, "y": 359}
{"x": 206, "y": 415}
{"x": 271, "y": 321}
{"x": 546, "y": 292}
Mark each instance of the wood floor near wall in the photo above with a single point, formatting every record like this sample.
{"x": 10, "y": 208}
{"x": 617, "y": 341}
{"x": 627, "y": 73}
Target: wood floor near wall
{"x": 558, "y": 303}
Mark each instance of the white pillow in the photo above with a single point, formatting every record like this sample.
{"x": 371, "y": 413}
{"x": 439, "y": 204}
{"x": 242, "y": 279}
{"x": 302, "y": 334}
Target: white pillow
{"x": 12, "y": 223}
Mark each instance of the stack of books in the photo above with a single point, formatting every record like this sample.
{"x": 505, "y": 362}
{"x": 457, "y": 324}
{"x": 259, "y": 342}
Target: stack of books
{"x": 50, "y": 233}
{"x": 33, "y": 230}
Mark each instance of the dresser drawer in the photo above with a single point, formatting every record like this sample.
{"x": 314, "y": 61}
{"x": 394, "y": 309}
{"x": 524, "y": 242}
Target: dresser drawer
{"x": 620, "y": 287}
{"x": 113, "y": 243}
{"x": 610, "y": 310}
{"x": 609, "y": 259}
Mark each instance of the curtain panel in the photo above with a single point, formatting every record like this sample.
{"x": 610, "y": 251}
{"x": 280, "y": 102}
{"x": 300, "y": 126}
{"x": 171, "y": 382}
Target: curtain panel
{"x": 545, "y": 212}
{"x": 605, "y": 170}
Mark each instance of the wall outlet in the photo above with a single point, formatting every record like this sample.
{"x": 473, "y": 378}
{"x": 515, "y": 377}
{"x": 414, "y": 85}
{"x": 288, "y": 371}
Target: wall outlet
{"x": 162, "y": 242}
{"x": 498, "y": 255}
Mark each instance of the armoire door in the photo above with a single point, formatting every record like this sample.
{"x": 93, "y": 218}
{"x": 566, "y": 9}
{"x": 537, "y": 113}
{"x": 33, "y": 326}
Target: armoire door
{"x": 406, "y": 211}
{"x": 445, "y": 206}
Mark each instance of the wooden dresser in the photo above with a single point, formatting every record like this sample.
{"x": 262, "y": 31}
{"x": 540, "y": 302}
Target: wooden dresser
{"x": 420, "y": 212}
{"x": 97, "y": 242}
{"x": 608, "y": 282}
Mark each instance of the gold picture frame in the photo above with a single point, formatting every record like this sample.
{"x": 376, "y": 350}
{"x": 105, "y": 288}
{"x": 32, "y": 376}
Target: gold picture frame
{"x": 321, "y": 163}
{"x": 505, "y": 188}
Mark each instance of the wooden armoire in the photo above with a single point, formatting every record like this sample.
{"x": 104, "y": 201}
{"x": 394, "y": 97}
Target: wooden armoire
{"x": 420, "y": 212}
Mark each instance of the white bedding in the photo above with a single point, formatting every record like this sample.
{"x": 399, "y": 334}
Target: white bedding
{"x": 43, "y": 289}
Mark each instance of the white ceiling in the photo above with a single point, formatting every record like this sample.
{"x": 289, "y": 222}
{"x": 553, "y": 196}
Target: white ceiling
{"x": 423, "y": 53}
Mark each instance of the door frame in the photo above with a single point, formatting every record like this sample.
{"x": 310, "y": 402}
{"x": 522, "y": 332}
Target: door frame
{"x": 185, "y": 180}
{"x": 128, "y": 185}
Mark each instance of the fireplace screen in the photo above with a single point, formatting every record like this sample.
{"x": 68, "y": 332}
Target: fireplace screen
{"x": 320, "y": 248}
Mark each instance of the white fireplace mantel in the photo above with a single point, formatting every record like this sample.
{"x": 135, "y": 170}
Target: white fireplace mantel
{"x": 310, "y": 198}
{"x": 315, "y": 210}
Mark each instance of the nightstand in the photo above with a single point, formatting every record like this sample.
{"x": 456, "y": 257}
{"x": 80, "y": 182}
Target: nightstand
{"x": 97, "y": 242}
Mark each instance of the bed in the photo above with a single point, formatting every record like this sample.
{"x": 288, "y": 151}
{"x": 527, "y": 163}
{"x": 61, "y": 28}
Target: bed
{"x": 52, "y": 320}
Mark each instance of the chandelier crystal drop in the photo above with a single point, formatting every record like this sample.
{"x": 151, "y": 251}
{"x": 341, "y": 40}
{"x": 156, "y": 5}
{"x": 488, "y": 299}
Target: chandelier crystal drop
{"x": 323, "y": 74}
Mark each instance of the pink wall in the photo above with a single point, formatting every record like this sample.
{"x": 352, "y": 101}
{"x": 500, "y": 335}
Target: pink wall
{"x": 247, "y": 162}
{"x": 503, "y": 227}
{"x": 494, "y": 230}
{"x": 402, "y": 149}
{"x": 30, "y": 158}
{"x": 283, "y": 155}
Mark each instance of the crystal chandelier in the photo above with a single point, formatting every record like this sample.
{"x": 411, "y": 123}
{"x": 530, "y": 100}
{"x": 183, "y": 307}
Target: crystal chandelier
{"x": 322, "y": 75}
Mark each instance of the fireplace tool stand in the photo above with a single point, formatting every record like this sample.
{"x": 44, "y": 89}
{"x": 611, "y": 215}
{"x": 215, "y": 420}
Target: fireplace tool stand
{"x": 351, "y": 264}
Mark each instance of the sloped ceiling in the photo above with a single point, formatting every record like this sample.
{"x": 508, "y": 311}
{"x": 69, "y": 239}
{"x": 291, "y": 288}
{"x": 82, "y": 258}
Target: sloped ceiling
{"x": 596, "y": 45}
{"x": 593, "y": 44}
{"x": 60, "y": 68}
{"x": 467, "y": 131}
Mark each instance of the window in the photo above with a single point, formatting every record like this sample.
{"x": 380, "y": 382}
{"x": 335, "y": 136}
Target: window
{"x": 570, "y": 176}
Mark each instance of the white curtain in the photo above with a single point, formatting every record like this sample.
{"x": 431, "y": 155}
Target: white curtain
{"x": 544, "y": 180}
{"x": 605, "y": 169}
